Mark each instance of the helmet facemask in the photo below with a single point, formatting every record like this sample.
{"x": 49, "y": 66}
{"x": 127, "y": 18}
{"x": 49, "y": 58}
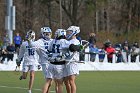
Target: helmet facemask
{"x": 60, "y": 34}
{"x": 69, "y": 34}
{"x": 46, "y": 33}
{"x": 72, "y": 31}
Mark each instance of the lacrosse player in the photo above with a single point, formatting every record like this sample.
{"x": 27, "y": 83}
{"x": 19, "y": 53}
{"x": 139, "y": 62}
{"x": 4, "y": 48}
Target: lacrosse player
{"x": 41, "y": 46}
{"x": 71, "y": 68}
{"x": 57, "y": 59}
{"x": 30, "y": 58}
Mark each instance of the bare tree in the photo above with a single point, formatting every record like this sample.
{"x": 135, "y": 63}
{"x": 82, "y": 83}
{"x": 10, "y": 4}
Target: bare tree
{"x": 71, "y": 8}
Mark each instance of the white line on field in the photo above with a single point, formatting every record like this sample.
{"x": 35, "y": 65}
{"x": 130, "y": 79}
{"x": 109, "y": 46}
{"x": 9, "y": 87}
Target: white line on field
{"x": 22, "y": 88}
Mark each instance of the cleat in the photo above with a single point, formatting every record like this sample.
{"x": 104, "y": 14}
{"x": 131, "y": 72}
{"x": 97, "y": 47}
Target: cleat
{"x": 20, "y": 78}
{"x": 29, "y": 91}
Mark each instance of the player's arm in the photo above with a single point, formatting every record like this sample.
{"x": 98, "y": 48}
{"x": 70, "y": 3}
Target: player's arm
{"x": 50, "y": 47}
{"x": 21, "y": 52}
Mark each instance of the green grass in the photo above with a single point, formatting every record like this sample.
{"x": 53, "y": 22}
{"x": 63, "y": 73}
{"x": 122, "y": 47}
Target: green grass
{"x": 87, "y": 82}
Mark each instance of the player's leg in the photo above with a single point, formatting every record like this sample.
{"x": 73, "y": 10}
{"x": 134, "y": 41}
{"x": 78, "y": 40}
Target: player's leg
{"x": 56, "y": 86}
{"x": 32, "y": 75}
{"x": 72, "y": 71}
{"x": 72, "y": 83}
{"x": 48, "y": 82}
{"x": 31, "y": 81}
{"x": 59, "y": 84}
{"x": 24, "y": 72}
{"x": 59, "y": 77}
{"x": 66, "y": 81}
{"x": 49, "y": 87}
{"x": 46, "y": 86}
{"x": 67, "y": 85}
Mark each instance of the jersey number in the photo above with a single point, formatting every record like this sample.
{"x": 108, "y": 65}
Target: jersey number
{"x": 31, "y": 52}
{"x": 46, "y": 48}
{"x": 55, "y": 48}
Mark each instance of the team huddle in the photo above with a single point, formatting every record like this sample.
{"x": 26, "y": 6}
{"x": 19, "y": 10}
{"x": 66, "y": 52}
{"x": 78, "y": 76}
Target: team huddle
{"x": 58, "y": 58}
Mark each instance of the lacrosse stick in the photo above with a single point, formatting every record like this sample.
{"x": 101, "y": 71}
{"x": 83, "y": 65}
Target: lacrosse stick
{"x": 74, "y": 53}
{"x": 71, "y": 57}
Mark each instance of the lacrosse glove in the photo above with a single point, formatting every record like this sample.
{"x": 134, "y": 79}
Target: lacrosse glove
{"x": 74, "y": 48}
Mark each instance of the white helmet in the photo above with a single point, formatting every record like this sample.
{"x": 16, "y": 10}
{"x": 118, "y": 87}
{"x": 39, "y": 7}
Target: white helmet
{"x": 60, "y": 33}
{"x": 46, "y": 32}
{"x": 30, "y": 35}
{"x": 74, "y": 29}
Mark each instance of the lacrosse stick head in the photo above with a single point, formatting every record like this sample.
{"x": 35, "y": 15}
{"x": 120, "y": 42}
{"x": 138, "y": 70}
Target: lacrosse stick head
{"x": 30, "y": 35}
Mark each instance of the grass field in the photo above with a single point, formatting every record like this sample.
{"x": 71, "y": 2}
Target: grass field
{"x": 87, "y": 82}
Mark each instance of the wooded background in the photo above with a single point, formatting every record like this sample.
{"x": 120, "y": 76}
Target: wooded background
{"x": 117, "y": 20}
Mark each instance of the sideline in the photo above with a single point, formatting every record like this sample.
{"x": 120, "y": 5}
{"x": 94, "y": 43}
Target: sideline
{"x": 22, "y": 88}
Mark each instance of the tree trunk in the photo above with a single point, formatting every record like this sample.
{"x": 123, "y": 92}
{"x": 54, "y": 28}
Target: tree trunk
{"x": 49, "y": 13}
{"x": 108, "y": 17}
{"x": 129, "y": 19}
{"x": 103, "y": 16}
{"x": 74, "y": 12}
{"x": 97, "y": 17}
{"x": 97, "y": 21}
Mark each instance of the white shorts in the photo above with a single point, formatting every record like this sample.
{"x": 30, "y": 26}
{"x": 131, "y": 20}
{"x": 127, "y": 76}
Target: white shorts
{"x": 55, "y": 71}
{"x": 27, "y": 68}
{"x": 45, "y": 69}
{"x": 71, "y": 69}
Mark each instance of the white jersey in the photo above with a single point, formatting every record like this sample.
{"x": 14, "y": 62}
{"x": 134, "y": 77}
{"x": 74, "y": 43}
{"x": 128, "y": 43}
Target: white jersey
{"x": 28, "y": 53}
{"x": 41, "y": 46}
{"x": 76, "y": 54}
{"x": 72, "y": 67}
{"x": 60, "y": 47}
{"x": 57, "y": 48}
{"x": 55, "y": 69}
